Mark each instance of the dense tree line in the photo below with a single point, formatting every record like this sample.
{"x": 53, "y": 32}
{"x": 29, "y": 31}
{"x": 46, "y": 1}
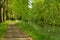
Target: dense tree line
{"x": 45, "y": 11}
{"x": 3, "y": 9}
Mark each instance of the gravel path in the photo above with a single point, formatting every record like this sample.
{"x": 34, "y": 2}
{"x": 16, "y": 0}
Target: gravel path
{"x": 13, "y": 33}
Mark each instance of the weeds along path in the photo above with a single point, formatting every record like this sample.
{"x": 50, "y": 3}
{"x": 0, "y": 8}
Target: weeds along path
{"x": 13, "y": 33}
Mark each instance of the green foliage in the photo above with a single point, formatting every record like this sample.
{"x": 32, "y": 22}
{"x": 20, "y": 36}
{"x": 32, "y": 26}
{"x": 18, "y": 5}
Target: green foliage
{"x": 44, "y": 13}
{"x": 2, "y": 28}
{"x": 49, "y": 11}
{"x": 19, "y": 8}
{"x": 37, "y": 32}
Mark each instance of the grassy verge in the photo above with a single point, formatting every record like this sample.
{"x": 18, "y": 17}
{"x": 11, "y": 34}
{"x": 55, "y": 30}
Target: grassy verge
{"x": 37, "y": 32}
{"x": 2, "y": 28}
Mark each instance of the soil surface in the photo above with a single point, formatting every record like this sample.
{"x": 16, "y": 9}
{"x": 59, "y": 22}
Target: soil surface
{"x": 13, "y": 33}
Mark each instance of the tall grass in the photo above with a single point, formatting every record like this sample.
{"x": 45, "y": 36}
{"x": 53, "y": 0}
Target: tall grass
{"x": 38, "y": 32}
{"x": 2, "y": 28}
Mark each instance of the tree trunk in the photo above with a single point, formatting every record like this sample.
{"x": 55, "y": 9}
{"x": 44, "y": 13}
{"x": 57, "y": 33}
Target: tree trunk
{"x": 2, "y": 14}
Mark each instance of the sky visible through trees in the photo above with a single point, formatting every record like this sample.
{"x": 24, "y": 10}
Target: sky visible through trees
{"x": 39, "y": 15}
{"x": 30, "y": 3}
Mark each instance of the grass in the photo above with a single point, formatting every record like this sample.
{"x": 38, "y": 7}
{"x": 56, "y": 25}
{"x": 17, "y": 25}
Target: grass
{"x": 2, "y": 28}
{"x": 37, "y": 32}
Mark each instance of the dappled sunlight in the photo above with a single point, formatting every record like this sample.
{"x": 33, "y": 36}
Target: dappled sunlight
{"x": 12, "y": 21}
{"x": 38, "y": 1}
{"x": 39, "y": 19}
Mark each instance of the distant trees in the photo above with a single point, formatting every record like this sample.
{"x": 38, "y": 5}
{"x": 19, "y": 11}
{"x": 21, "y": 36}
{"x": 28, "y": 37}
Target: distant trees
{"x": 2, "y": 10}
{"x": 45, "y": 11}
{"x": 19, "y": 8}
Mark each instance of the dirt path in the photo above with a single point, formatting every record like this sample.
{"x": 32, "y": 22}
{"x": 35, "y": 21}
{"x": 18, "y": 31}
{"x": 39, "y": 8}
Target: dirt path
{"x": 13, "y": 33}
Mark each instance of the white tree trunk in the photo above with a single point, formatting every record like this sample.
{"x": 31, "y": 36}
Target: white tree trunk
{"x": 2, "y": 14}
